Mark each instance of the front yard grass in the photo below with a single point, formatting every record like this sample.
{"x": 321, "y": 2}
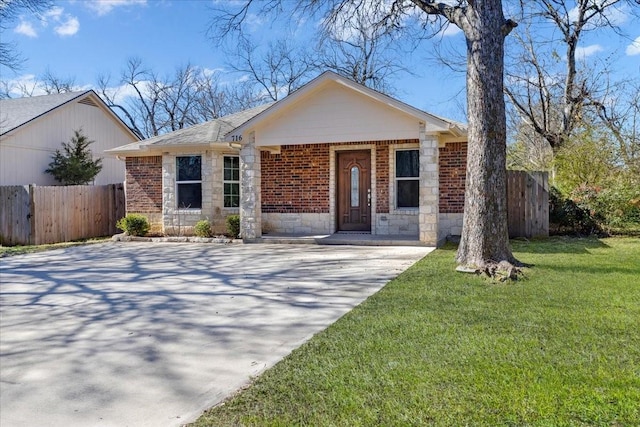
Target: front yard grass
{"x": 27, "y": 249}
{"x": 436, "y": 347}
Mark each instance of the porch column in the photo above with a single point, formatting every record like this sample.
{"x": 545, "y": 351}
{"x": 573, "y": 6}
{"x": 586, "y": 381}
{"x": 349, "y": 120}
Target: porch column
{"x": 250, "y": 191}
{"x": 429, "y": 188}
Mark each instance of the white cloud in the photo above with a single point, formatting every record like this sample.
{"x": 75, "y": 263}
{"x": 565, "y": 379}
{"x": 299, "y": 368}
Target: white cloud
{"x": 102, "y": 7}
{"x": 634, "y": 47}
{"x": 64, "y": 24}
{"x": 449, "y": 30}
{"x": 120, "y": 94}
{"x": 585, "y": 52}
{"x": 209, "y": 72}
{"x": 26, "y": 28}
{"x": 69, "y": 27}
{"x": 26, "y": 83}
{"x": 55, "y": 14}
{"x": 254, "y": 22}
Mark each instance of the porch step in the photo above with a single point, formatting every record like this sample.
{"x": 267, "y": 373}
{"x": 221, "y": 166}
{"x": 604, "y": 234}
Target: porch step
{"x": 369, "y": 240}
{"x": 339, "y": 239}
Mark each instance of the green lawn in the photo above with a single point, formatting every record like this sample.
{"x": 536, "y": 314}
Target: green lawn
{"x": 20, "y": 250}
{"x": 435, "y": 347}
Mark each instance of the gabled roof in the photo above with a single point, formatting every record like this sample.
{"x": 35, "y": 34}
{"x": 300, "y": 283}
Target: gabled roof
{"x": 197, "y": 135}
{"x": 218, "y": 131}
{"x": 445, "y": 125}
{"x": 17, "y": 112}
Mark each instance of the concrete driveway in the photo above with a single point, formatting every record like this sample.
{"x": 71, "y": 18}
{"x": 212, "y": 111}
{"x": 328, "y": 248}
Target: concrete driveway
{"x": 151, "y": 334}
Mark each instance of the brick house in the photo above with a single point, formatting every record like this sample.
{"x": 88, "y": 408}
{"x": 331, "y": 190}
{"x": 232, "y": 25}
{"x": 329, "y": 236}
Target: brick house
{"x": 334, "y": 156}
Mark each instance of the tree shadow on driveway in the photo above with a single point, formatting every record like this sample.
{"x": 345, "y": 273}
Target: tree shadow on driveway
{"x": 151, "y": 334}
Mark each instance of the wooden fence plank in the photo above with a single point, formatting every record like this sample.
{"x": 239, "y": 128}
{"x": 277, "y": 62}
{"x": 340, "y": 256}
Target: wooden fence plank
{"x": 15, "y": 215}
{"x": 528, "y": 203}
{"x": 40, "y": 215}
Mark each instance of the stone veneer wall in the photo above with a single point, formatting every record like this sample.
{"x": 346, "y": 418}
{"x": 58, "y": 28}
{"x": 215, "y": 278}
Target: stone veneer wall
{"x": 429, "y": 192}
{"x": 181, "y": 221}
{"x": 296, "y": 223}
{"x": 450, "y": 225}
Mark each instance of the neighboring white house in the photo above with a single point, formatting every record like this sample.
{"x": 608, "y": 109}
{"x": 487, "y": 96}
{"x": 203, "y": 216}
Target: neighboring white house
{"x": 32, "y": 128}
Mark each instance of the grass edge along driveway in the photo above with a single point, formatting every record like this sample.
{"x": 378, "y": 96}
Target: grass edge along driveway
{"x": 435, "y": 347}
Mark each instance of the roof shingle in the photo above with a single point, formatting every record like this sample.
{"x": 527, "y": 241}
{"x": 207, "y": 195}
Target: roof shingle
{"x": 18, "y": 111}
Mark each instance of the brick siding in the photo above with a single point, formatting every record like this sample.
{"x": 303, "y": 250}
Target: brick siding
{"x": 297, "y": 179}
{"x": 144, "y": 184}
{"x": 382, "y": 178}
{"x": 452, "y": 174}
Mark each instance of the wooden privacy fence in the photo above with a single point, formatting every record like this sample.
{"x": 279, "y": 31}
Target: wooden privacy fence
{"x": 528, "y": 203}
{"x": 39, "y": 215}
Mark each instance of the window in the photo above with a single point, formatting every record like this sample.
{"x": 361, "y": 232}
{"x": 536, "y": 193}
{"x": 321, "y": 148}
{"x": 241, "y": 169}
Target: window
{"x": 189, "y": 182}
{"x": 407, "y": 178}
{"x": 231, "y": 181}
{"x": 355, "y": 187}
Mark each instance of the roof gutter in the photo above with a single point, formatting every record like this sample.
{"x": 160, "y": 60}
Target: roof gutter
{"x": 457, "y": 130}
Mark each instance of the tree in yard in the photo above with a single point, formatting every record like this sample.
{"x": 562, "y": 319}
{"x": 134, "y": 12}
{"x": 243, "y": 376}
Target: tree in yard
{"x": 550, "y": 86}
{"x": 74, "y": 165}
{"x": 485, "y": 240}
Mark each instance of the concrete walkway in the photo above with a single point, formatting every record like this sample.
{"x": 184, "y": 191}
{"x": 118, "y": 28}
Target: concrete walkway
{"x": 151, "y": 334}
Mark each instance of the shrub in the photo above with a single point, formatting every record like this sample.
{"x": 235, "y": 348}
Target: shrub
{"x": 569, "y": 216}
{"x": 617, "y": 204}
{"x": 134, "y": 224}
{"x": 203, "y": 228}
{"x": 233, "y": 225}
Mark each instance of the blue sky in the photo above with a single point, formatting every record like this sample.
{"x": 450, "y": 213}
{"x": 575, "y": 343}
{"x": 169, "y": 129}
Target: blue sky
{"x": 85, "y": 38}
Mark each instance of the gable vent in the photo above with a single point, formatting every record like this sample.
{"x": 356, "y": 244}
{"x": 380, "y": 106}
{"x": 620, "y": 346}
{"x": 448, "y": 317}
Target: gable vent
{"x": 87, "y": 101}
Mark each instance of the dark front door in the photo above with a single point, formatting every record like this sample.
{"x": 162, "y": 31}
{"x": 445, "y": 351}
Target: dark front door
{"x": 354, "y": 190}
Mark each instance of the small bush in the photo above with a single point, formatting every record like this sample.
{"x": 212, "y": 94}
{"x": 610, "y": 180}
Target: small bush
{"x": 134, "y": 224}
{"x": 614, "y": 206}
{"x": 570, "y": 217}
{"x": 203, "y": 228}
{"x": 233, "y": 225}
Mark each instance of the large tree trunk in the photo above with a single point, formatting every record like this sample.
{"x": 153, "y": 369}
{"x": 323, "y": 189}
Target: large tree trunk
{"x": 485, "y": 237}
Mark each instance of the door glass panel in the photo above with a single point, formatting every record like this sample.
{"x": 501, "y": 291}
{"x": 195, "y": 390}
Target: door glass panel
{"x": 355, "y": 187}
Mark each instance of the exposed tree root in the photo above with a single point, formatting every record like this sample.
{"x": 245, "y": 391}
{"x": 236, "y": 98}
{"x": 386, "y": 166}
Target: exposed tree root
{"x": 500, "y": 271}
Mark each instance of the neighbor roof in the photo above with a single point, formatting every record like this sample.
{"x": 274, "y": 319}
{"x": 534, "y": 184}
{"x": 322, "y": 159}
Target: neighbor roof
{"x": 200, "y": 134}
{"x": 17, "y": 112}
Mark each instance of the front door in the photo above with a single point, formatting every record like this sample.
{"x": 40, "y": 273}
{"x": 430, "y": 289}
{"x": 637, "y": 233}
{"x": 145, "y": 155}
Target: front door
{"x": 354, "y": 190}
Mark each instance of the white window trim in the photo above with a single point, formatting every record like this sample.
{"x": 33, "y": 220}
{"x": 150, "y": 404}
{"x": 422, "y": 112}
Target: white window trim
{"x": 177, "y": 207}
{"x": 225, "y": 181}
{"x": 393, "y": 194}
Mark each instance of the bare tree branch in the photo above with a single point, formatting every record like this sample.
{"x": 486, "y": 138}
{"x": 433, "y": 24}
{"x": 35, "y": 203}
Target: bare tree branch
{"x": 10, "y": 10}
{"x": 543, "y": 81}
